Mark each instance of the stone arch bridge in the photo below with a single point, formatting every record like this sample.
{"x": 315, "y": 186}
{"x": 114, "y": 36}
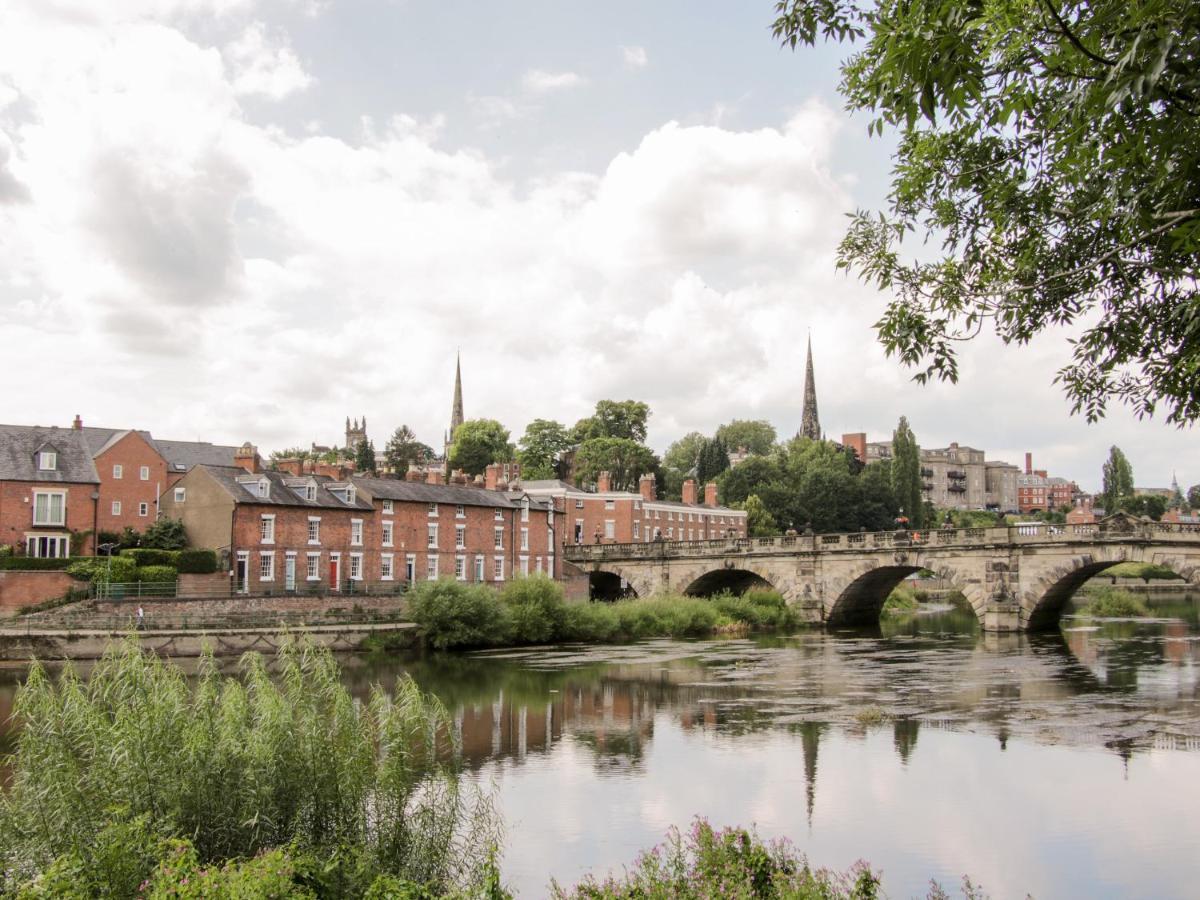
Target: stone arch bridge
{"x": 1016, "y": 578}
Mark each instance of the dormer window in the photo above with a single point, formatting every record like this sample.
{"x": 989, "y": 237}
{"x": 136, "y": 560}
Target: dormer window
{"x": 310, "y": 492}
{"x": 264, "y": 487}
{"x": 351, "y": 495}
{"x": 47, "y": 460}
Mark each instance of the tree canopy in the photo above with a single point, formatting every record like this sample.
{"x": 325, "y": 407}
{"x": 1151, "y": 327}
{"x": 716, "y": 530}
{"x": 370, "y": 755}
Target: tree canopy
{"x": 543, "y": 441}
{"x": 906, "y": 474}
{"x": 1053, "y": 149}
{"x": 756, "y": 435}
{"x": 1117, "y": 476}
{"x": 625, "y": 460}
{"x": 364, "y": 457}
{"x": 477, "y": 444}
{"x": 1193, "y": 496}
{"x": 614, "y": 419}
{"x": 403, "y": 449}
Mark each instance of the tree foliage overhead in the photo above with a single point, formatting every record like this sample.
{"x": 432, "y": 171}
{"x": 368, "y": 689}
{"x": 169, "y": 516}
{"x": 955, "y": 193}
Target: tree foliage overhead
{"x": 477, "y": 444}
{"x": 756, "y": 435}
{"x": 1054, "y": 149}
{"x": 544, "y": 440}
{"x": 614, "y": 419}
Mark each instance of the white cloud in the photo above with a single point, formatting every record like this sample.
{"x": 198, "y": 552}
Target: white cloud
{"x": 539, "y": 81}
{"x": 634, "y": 57}
{"x": 261, "y": 67}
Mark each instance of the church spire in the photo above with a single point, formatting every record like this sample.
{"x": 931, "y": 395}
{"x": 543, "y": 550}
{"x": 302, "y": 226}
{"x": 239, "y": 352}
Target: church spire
{"x": 456, "y": 412}
{"x": 810, "y": 424}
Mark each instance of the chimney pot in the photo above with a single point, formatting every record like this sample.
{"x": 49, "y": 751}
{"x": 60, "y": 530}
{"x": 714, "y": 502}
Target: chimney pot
{"x": 78, "y": 423}
{"x": 689, "y": 492}
{"x": 646, "y": 487}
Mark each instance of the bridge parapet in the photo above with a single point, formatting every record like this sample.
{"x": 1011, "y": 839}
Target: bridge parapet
{"x": 942, "y": 539}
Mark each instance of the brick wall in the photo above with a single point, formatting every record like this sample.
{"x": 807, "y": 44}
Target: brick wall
{"x": 215, "y": 609}
{"x": 16, "y": 512}
{"x": 19, "y": 589}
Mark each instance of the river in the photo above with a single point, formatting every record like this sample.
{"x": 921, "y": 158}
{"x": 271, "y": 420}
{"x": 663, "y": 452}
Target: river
{"x": 1061, "y": 765}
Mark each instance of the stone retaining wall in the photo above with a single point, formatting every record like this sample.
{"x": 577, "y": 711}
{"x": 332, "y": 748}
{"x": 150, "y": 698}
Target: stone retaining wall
{"x": 19, "y": 589}
{"x": 215, "y": 608}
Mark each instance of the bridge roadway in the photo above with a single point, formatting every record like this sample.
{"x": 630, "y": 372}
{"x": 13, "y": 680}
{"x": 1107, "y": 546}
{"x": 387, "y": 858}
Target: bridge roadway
{"x": 1016, "y": 578}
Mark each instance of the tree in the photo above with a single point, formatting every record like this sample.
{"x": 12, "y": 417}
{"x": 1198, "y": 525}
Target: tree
{"x": 906, "y": 474}
{"x": 614, "y": 419}
{"x": 759, "y": 521}
{"x": 289, "y": 453}
{"x": 679, "y": 463}
{"x": 541, "y": 445}
{"x": 1151, "y": 505}
{"x": 1053, "y": 149}
{"x": 364, "y": 457}
{"x": 165, "y": 534}
{"x": 756, "y": 435}
{"x": 477, "y": 444}
{"x": 712, "y": 461}
{"x": 403, "y": 449}
{"x": 1193, "y": 496}
{"x": 625, "y": 460}
{"x": 1117, "y": 476}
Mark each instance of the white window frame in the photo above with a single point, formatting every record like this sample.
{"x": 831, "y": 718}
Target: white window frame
{"x": 524, "y": 561}
{"x": 388, "y": 507}
{"x": 524, "y": 538}
{"x": 610, "y": 504}
{"x": 498, "y": 568}
{"x": 314, "y": 530}
{"x": 610, "y": 529}
{"x": 460, "y": 537}
{"x": 525, "y": 510}
{"x": 356, "y": 533}
{"x": 460, "y": 512}
{"x": 143, "y": 509}
{"x": 460, "y": 568}
{"x": 266, "y": 529}
{"x": 118, "y": 471}
{"x": 180, "y": 495}
{"x": 356, "y": 567}
{"x": 499, "y": 517}
{"x": 410, "y": 567}
{"x": 579, "y": 503}
{"x": 431, "y": 567}
{"x": 115, "y": 509}
{"x": 266, "y": 565}
{"x": 144, "y": 473}
{"x": 50, "y": 495}
{"x": 480, "y": 567}
{"x": 47, "y": 460}
{"x": 387, "y": 531}
{"x": 387, "y": 567}
{"x": 498, "y": 538}
{"x": 433, "y": 510}
{"x": 56, "y": 546}
{"x": 312, "y": 566}
{"x": 637, "y": 530}
{"x": 431, "y": 535}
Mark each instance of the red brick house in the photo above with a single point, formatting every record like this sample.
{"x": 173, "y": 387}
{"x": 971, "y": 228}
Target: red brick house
{"x": 48, "y": 492}
{"x": 608, "y": 516}
{"x": 470, "y": 533}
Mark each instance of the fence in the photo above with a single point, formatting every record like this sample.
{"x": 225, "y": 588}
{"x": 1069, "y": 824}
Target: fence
{"x": 169, "y": 590}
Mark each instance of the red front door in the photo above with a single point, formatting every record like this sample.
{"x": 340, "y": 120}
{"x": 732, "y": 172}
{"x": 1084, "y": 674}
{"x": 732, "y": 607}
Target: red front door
{"x": 334, "y": 580}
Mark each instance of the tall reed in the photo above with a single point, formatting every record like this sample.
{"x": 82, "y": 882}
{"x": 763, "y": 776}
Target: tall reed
{"x": 237, "y": 765}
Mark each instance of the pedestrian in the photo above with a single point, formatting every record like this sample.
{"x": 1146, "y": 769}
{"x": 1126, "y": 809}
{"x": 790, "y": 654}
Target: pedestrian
{"x": 141, "y": 618}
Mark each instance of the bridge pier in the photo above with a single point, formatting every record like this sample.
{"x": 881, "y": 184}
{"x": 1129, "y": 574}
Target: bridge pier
{"x": 1001, "y": 617}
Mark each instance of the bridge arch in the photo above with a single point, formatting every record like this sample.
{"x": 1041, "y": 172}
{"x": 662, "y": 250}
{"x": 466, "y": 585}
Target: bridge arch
{"x": 859, "y": 599}
{"x": 608, "y": 586}
{"x": 734, "y": 580}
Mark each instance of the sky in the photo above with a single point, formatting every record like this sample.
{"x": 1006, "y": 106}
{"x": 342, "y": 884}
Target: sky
{"x": 245, "y": 220}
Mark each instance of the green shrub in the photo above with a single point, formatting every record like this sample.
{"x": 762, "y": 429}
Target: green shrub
{"x": 33, "y": 563}
{"x": 107, "y": 767}
{"x": 97, "y": 569}
{"x": 728, "y": 863}
{"x": 149, "y": 556}
{"x": 596, "y": 622}
{"x": 902, "y": 599}
{"x": 157, "y": 574}
{"x": 196, "y": 562}
{"x": 758, "y": 608}
{"x": 536, "y": 609}
{"x": 1113, "y": 603}
{"x": 452, "y": 614}
{"x": 165, "y": 534}
{"x": 5, "y": 550}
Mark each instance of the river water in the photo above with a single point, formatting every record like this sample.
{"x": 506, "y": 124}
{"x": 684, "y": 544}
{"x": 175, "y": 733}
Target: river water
{"x": 1063, "y": 765}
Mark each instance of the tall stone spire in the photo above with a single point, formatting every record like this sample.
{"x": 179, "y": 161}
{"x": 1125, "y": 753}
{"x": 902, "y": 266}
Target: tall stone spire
{"x": 810, "y": 423}
{"x": 456, "y": 413}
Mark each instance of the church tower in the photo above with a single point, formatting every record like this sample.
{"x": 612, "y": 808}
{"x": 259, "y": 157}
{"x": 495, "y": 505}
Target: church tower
{"x": 355, "y": 434}
{"x": 456, "y": 411}
{"x": 810, "y": 423}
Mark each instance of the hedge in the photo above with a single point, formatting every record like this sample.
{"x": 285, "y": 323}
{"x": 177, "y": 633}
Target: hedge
{"x": 33, "y": 563}
{"x": 97, "y": 569}
{"x": 157, "y": 574}
{"x": 196, "y": 562}
{"x": 149, "y": 557}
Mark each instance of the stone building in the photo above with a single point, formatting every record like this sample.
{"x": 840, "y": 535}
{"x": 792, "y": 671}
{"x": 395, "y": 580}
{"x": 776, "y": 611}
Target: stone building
{"x": 810, "y": 422}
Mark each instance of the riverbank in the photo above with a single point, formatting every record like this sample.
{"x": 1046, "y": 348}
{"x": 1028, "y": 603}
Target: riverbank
{"x": 22, "y": 644}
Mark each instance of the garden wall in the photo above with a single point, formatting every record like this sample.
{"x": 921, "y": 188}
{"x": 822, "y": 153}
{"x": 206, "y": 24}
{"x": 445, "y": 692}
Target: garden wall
{"x": 19, "y": 589}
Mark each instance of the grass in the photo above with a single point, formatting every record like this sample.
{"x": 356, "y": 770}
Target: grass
{"x": 1146, "y": 571}
{"x": 1113, "y": 603}
{"x": 903, "y": 599}
{"x": 869, "y": 716}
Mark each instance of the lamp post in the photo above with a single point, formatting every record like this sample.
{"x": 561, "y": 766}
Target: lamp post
{"x": 108, "y": 549}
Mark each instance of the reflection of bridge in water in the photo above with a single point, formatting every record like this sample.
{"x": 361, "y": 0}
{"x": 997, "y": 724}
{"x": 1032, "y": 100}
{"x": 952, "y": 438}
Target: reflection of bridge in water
{"x": 1016, "y": 579}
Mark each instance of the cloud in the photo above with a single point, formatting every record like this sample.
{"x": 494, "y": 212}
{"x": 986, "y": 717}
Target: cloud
{"x": 259, "y": 67}
{"x": 634, "y": 57}
{"x": 538, "y": 81}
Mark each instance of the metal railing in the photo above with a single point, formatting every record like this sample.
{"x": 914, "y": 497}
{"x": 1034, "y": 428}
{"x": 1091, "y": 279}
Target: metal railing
{"x": 169, "y": 590}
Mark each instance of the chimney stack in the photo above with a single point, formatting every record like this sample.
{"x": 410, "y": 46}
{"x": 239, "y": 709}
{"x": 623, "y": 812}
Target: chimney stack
{"x": 78, "y": 423}
{"x": 491, "y": 476}
{"x": 710, "y": 494}
{"x": 689, "y": 492}
{"x": 604, "y": 483}
{"x": 646, "y": 487}
{"x": 433, "y": 476}
{"x": 414, "y": 473}
{"x": 1028, "y": 463}
{"x": 246, "y": 457}
{"x": 292, "y": 465}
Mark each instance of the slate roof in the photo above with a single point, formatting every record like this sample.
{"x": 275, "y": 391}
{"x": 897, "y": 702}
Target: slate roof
{"x": 552, "y": 485}
{"x": 180, "y": 455}
{"x": 457, "y": 494}
{"x": 19, "y": 445}
{"x": 281, "y": 494}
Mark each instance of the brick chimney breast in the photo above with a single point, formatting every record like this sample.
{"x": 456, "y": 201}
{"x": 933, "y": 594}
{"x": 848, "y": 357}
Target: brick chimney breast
{"x": 604, "y": 482}
{"x": 414, "y": 473}
{"x": 689, "y": 492}
{"x": 710, "y": 494}
{"x": 246, "y": 457}
{"x": 646, "y": 487}
{"x": 78, "y": 423}
{"x": 491, "y": 476}
{"x": 433, "y": 476}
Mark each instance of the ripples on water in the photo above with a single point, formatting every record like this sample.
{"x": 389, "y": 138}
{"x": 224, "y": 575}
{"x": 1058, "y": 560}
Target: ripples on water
{"x": 1060, "y": 765}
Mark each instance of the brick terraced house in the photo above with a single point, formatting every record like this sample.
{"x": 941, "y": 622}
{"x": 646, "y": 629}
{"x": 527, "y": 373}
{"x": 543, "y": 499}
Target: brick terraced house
{"x": 608, "y": 516}
{"x": 48, "y": 491}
